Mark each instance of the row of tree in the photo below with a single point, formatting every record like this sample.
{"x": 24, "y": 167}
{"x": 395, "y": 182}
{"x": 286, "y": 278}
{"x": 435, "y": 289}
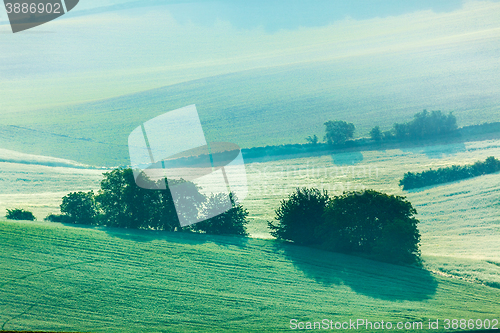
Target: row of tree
{"x": 449, "y": 174}
{"x": 371, "y": 224}
{"x": 424, "y": 125}
{"x": 121, "y": 203}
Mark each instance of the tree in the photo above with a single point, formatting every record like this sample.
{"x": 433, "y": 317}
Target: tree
{"x": 373, "y": 224}
{"x": 338, "y": 132}
{"x": 231, "y": 222}
{"x": 312, "y": 139}
{"x": 376, "y": 134}
{"x": 124, "y": 204}
{"x": 426, "y": 124}
{"x": 299, "y": 215}
{"x": 80, "y": 207}
{"x": 401, "y": 131}
{"x": 387, "y": 135}
{"x": 20, "y": 214}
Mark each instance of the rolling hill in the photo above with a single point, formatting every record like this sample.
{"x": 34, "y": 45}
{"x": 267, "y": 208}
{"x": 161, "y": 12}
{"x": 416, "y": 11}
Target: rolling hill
{"x": 281, "y": 103}
{"x": 56, "y": 277}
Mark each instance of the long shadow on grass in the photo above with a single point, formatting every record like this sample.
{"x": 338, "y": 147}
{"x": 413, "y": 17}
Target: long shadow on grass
{"x": 371, "y": 278}
{"x": 350, "y": 158}
{"x": 437, "y": 151}
{"x": 175, "y": 237}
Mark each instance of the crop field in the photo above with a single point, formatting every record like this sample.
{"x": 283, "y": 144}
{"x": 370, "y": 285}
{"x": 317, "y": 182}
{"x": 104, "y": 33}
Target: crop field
{"x": 263, "y": 73}
{"x": 356, "y": 71}
{"x": 460, "y": 230}
{"x": 38, "y": 183}
{"x": 57, "y": 277}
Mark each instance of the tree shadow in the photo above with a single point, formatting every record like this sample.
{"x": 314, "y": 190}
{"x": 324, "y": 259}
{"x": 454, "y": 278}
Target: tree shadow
{"x": 181, "y": 237}
{"x": 350, "y": 158}
{"x": 367, "y": 277}
{"x": 438, "y": 151}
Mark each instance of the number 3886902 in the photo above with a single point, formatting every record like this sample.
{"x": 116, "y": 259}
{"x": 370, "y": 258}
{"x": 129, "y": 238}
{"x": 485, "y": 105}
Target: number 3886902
{"x": 25, "y": 8}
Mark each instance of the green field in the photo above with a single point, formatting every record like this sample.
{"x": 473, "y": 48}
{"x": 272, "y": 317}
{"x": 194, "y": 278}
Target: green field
{"x": 57, "y": 277}
{"x": 73, "y": 90}
{"x": 102, "y": 279}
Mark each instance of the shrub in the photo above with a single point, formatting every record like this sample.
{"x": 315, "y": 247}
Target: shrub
{"x": 299, "y": 215}
{"x": 20, "y": 214}
{"x": 62, "y": 218}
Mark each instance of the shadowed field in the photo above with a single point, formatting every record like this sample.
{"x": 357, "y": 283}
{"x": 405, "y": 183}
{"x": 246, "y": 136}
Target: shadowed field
{"x": 56, "y": 277}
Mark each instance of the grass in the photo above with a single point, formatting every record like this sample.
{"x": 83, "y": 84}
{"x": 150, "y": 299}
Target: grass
{"x": 57, "y": 277}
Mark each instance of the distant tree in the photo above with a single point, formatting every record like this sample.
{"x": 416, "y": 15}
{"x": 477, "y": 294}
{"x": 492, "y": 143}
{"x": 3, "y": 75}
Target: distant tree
{"x": 299, "y": 215}
{"x": 425, "y": 125}
{"x": 231, "y": 222}
{"x": 312, "y": 139}
{"x": 387, "y": 135}
{"x": 80, "y": 207}
{"x": 20, "y": 214}
{"x": 376, "y": 134}
{"x": 373, "y": 224}
{"x": 449, "y": 174}
{"x": 401, "y": 131}
{"x": 338, "y": 132}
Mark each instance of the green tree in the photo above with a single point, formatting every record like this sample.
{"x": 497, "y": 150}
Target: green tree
{"x": 425, "y": 125}
{"x": 376, "y": 134}
{"x": 20, "y": 214}
{"x": 231, "y": 222}
{"x": 338, "y": 132}
{"x": 401, "y": 131}
{"x": 373, "y": 224}
{"x": 299, "y": 215}
{"x": 312, "y": 139}
{"x": 387, "y": 135}
{"x": 125, "y": 204}
{"x": 80, "y": 207}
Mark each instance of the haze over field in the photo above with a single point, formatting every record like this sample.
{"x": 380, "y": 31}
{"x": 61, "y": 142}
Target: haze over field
{"x": 252, "y": 77}
{"x": 260, "y": 73}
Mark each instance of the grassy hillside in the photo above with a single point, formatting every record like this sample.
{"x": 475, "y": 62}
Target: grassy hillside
{"x": 56, "y": 277}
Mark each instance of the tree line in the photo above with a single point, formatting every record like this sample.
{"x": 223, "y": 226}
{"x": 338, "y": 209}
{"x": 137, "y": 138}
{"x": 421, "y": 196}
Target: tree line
{"x": 121, "y": 203}
{"x": 449, "y": 174}
{"x": 424, "y": 125}
{"x": 370, "y": 224}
